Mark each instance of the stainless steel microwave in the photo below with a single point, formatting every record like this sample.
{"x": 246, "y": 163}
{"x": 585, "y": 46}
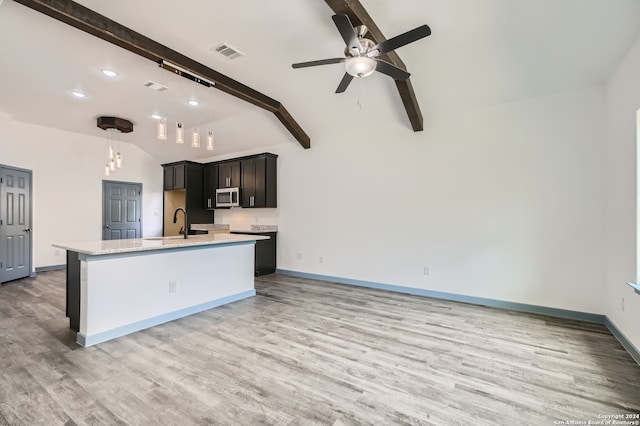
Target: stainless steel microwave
{"x": 228, "y": 197}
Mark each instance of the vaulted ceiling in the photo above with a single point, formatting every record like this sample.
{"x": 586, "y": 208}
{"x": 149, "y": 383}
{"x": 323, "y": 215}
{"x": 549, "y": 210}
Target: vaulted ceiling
{"x": 479, "y": 53}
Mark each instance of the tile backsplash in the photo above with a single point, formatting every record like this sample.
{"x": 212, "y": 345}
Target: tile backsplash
{"x": 239, "y": 218}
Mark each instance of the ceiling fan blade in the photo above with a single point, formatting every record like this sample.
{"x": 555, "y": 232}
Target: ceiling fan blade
{"x": 320, "y": 62}
{"x": 344, "y": 83}
{"x": 400, "y": 40}
{"x": 391, "y": 70}
{"x": 347, "y": 32}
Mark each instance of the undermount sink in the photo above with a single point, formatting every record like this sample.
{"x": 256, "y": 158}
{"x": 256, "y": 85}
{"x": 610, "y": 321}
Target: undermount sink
{"x": 173, "y": 237}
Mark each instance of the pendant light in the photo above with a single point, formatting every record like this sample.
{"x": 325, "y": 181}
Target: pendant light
{"x": 210, "y": 141}
{"x": 114, "y": 125}
{"x": 195, "y": 138}
{"x": 112, "y": 159}
{"x": 179, "y": 133}
{"x": 161, "y": 131}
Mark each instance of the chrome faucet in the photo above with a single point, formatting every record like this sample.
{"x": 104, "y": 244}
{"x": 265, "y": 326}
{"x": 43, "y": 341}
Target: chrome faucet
{"x": 175, "y": 219}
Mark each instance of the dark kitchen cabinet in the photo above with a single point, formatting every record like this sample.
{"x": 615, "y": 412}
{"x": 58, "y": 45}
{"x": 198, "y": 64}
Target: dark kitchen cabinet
{"x": 229, "y": 174}
{"x": 255, "y": 175}
{"x": 174, "y": 176}
{"x": 210, "y": 185}
{"x": 259, "y": 181}
{"x": 184, "y": 181}
{"x": 265, "y": 253}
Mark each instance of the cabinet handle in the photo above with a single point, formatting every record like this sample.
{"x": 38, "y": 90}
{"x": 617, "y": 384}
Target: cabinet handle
{"x": 209, "y": 203}
{"x": 251, "y": 203}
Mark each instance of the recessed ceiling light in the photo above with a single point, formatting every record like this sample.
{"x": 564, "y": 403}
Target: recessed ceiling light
{"x": 78, "y": 94}
{"x": 156, "y": 117}
{"x": 109, "y": 73}
{"x": 193, "y": 102}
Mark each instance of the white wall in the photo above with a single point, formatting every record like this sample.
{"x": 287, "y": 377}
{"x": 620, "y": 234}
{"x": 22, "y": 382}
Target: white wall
{"x": 504, "y": 202}
{"x": 623, "y": 101}
{"x": 68, "y": 170}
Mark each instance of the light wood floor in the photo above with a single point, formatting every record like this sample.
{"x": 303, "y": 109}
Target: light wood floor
{"x": 304, "y": 352}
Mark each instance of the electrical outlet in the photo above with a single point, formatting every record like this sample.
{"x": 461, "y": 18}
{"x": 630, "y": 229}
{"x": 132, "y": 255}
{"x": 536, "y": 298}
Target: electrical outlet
{"x": 173, "y": 286}
{"x": 622, "y": 304}
{"x": 321, "y": 259}
{"x": 426, "y": 271}
{"x": 299, "y": 255}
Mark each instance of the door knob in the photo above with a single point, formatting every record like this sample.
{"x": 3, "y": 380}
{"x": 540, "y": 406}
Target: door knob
{"x": 107, "y": 226}
{"x": 27, "y": 229}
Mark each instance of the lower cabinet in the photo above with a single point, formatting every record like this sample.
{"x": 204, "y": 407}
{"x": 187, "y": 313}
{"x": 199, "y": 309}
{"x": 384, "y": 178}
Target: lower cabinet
{"x": 265, "y": 260}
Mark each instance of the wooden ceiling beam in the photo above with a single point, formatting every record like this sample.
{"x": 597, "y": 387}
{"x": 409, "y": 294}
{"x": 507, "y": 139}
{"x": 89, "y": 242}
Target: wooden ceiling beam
{"x": 359, "y": 16}
{"x": 93, "y": 23}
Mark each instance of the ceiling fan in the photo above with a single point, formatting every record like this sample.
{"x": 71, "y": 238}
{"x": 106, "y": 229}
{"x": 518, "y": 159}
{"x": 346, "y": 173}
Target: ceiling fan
{"x": 362, "y": 55}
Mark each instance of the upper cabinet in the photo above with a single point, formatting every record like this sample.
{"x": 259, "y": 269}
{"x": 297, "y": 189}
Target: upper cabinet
{"x": 183, "y": 175}
{"x": 255, "y": 175}
{"x": 174, "y": 176}
{"x": 229, "y": 174}
{"x": 259, "y": 181}
{"x": 210, "y": 185}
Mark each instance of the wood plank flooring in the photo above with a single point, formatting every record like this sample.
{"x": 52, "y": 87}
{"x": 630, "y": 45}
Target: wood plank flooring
{"x": 305, "y": 352}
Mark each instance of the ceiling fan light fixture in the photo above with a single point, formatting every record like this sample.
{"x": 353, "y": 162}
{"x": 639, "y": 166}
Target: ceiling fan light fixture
{"x": 360, "y": 66}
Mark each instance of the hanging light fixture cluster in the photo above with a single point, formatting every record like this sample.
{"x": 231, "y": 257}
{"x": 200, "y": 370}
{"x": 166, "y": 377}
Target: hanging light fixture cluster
{"x": 161, "y": 128}
{"x": 114, "y": 159}
{"x": 114, "y": 125}
{"x": 161, "y": 134}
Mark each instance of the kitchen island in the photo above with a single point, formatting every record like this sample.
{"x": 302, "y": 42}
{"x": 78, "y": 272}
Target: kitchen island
{"x": 117, "y": 287}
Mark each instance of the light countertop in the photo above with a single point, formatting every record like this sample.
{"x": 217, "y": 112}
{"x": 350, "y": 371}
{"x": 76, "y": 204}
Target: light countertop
{"x": 252, "y": 229}
{"x": 248, "y": 231}
{"x": 96, "y": 248}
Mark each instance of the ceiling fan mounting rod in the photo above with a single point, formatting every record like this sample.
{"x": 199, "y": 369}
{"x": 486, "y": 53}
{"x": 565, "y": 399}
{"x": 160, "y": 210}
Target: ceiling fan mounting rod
{"x": 361, "y": 30}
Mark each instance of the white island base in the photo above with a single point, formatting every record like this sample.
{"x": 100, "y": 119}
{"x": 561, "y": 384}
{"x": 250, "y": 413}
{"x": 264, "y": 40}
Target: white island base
{"x": 121, "y": 292}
